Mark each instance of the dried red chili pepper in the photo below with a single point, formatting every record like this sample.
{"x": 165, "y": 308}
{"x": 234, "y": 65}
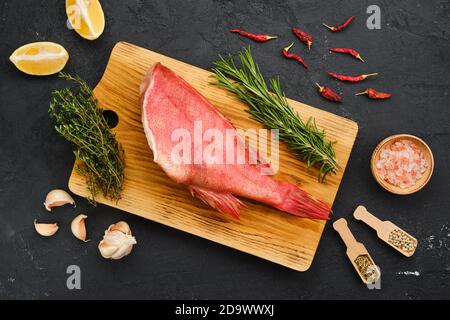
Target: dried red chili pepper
{"x": 293, "y": 56}
{"x": 256, "y": 37}
{"x": 349, "y": 51}
{"x": 374, "y": 94}
{"x": 351, "y": 78}
{"x": 342, "y": 26}
{"x": 303, "y": 36}
{"x": 329, "y": 94}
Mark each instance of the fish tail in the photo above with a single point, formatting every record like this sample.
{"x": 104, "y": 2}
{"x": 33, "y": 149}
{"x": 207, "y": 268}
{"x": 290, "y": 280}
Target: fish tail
{"x": 300, "y": 203}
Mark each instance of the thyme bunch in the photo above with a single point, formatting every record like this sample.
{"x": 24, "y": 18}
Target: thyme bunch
{"x": 80, "y": 121}
{"x": 270, "y": 107}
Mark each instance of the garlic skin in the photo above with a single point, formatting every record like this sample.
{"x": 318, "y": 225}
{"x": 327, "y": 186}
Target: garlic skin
{"x": 57, "y": 198}
{"x": 78, "y": 227}
{"x": 117, "y": 241}
{"x": 45, "y": 229}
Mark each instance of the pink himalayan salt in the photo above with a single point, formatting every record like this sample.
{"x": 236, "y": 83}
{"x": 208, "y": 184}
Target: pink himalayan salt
{"x": 401, "y": 164}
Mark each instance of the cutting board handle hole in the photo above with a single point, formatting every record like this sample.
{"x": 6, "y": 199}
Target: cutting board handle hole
{"x": 111, "y": 118}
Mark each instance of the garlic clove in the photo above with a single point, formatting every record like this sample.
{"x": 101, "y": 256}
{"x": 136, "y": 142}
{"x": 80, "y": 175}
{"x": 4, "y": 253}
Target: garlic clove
{"x": 57, "y": 198}
{"x": 125, "y": 249}
{"x": 46, "y": 229}
{"x": 121, "y": 226}
{"x": 117, "y": 241}
{"x": 78, "y": 227}
{"x": 106, "y": 250}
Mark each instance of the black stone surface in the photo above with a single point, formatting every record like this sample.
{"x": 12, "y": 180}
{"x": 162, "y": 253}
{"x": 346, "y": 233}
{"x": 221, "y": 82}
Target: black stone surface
{"x": 411, "y": 53}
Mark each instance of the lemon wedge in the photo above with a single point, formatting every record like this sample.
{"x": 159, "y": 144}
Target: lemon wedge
{"x": 86, "y": 17}
{"x": 40, "y": 58}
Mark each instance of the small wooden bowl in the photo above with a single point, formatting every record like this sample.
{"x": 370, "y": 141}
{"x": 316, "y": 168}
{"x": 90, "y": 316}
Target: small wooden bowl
{"x": 419, "y": 183}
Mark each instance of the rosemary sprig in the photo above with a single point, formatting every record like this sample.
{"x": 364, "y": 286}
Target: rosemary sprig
{"x": 271, "y": 108}
{"x": 80, "y": 121}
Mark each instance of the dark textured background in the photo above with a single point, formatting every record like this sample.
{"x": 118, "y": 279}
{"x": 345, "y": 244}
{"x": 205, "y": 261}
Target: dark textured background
{"x": 411, "y": 53}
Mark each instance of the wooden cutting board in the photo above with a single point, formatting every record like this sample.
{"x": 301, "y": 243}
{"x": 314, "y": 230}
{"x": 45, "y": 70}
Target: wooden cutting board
{"x": 262, "y": 231}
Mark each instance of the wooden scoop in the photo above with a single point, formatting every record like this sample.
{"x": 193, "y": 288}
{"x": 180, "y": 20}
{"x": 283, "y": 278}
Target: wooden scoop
{"x": 357, "y": 253}
{"x": 388, "y": 232}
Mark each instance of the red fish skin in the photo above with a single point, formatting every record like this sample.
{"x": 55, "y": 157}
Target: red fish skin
{"x": 168, "y": 103}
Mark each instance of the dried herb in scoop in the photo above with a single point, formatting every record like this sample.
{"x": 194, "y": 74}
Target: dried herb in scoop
{"x": 80, "y": 121}
{"x": 270, "y": 107}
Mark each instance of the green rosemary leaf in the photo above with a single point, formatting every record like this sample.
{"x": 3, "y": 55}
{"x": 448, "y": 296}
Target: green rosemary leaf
{"x": 80, "y": 121}
{"x": 269, "y": 106}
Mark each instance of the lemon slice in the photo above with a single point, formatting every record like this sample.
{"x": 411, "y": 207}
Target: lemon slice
{"x": 86, "y": 17}
{"x": 40, "y": 58}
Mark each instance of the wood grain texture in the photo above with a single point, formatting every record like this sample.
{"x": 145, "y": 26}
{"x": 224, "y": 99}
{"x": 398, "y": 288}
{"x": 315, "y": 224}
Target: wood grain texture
{"x": 262, "y": 231}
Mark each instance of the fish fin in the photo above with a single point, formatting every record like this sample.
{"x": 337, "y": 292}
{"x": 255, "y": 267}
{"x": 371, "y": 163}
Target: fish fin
{"x": 300, "y": 203}
{"x": 223, "y": 202}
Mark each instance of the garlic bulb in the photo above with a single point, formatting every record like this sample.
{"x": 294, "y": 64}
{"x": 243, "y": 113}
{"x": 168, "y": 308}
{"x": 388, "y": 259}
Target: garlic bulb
{"x": 78, "y": 227}
{"x": 57, "y": 198}
{"x": 117, "y": 241}
{"x": 46, "y": 229}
